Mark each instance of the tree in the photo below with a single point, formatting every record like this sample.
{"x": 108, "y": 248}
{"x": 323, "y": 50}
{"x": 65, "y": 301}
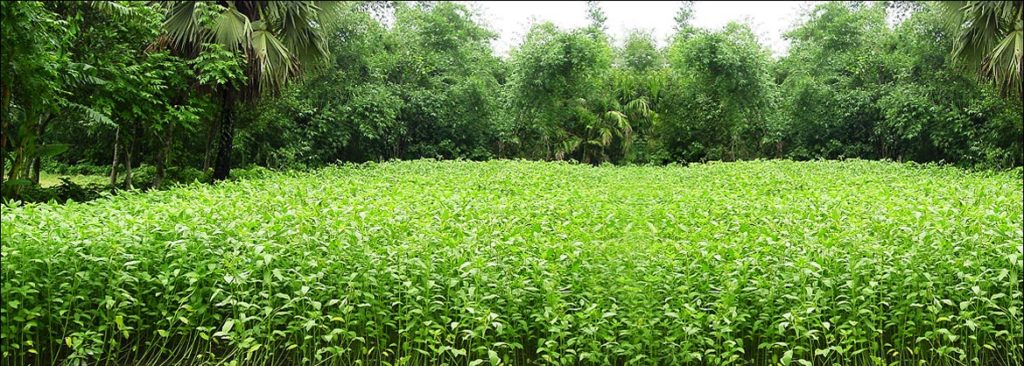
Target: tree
{"x": 29, "y": 81}
{"x": 275, "y": 39}
{"x": 425, "y": 86}
{"x": 636, "y": 84}
{"x": 828, "y": 81}
{"x": 552, "y": 77}
{"x": 46, "y": 80}
{"x": 640, "y": 52}
{"x": 855, "y": 86}
{"x": 598, "y": 20}
{"x": 990, "y": 37}
{"x": 723, "y": 101}
{"x": 684, "y": 16}
{"x": 119, "y": 77}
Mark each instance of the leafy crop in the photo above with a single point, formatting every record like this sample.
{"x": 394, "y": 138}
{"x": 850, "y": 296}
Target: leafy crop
{"x": 514, "y": 262}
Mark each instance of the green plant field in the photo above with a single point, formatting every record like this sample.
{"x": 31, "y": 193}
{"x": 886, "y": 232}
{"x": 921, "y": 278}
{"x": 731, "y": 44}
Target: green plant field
{"x": 514, "y": 262}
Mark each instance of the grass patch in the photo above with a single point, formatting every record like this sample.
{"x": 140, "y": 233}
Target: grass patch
{"x": 511, "y": 262}
{"x": 47, "y": 179}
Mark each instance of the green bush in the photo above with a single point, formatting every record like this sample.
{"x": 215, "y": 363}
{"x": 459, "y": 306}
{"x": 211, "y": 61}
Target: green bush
{"x": 142, "y": 176}
{"x": 251, "y": 172}
{"x": 185, "y": 175}
{"x": 57, "y": 167}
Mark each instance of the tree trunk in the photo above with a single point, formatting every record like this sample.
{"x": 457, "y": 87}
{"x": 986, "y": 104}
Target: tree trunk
{"x": 128, "y": 168}
{"x": 732, "y": 148}
{"x": 3, "y": 157}
{"x": 18, "y": 167}
{"x": 36, "y": 168}
{"x": 164, "y": 155}
{"x": 130, "y": 153}
{"x": 18, "y": 164}
{"x": 222, "y": 167}
{"x": 113, "y": 165}
{"x": 37, "y": 161}
{"x": 209, "y": 145}
{"x": 760, "y": 145}
{"x": 5, "y": 101}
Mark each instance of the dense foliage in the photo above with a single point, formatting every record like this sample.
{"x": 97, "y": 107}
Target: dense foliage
{"x": 852, "y": 86}
{"x": 186, "y": 90}
{"x": 514, "y": 262}
{"x": 426, "y": 86}
{"x": 422, "y": 262}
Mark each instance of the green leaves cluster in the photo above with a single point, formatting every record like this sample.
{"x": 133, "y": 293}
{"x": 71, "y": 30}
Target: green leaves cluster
{"x": 464, "y": 263}
{"x": 217, "y": 66}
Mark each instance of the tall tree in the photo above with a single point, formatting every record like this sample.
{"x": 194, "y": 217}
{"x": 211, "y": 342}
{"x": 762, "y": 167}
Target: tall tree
{"x": 726, "y": 99}
{"x": 275, "y": 39}
{"x": 598, "y": 20}
{"x": 640, "y": 52}
{"x": 30, "y": 50}
{"x": 684, "y": 16}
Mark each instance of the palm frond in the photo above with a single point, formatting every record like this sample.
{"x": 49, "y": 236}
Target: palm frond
{"x": 182, "y": 25}
{"x": 989, "y": 38}
{"x": 232, "y": 29}
{"x": 606, "y": 136}
{"x": 301, "y": 26}
{"x": 640, "y": 106}
{"x": 277, "y": 37}
{"x": 272, "y": 60}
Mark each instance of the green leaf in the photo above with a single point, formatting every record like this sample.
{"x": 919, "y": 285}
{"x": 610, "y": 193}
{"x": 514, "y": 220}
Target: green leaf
{"x": 493, "y": 356}
{"x": 787, "y": 357}
{"x": 228, "y": 324}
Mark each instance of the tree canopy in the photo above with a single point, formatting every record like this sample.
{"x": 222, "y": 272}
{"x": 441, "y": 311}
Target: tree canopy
{"x": 180, "y": 91}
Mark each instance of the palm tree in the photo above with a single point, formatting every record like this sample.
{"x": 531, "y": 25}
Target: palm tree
{"x": 275, "y": 38}
{"x": 611, "y": 125}
{"x": 596, "y": 132}
{"x": 990, "y": 37}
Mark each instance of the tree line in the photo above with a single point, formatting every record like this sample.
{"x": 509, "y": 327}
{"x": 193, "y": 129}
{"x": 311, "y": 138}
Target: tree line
{"x": 150, "y": 93}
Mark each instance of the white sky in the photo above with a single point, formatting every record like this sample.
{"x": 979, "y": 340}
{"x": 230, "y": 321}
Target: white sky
{"x": 512, "y": 19}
